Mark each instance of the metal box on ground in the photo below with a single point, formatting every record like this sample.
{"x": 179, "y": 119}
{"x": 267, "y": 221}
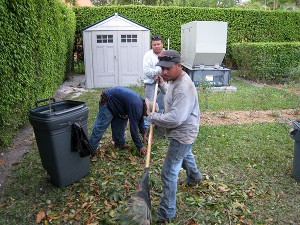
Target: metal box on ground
{"x": 216, "y": 77}
{"x": 52, "y": 125}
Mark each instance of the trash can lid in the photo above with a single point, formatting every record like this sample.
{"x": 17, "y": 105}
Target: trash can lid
{"x": 57, "y": 108}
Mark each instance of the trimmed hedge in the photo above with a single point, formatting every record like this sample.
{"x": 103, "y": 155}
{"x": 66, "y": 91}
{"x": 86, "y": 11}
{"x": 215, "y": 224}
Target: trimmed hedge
{"x": 36, "y": 45}
{"x": 243, "y": 25}
{"x": 268, "y": 62}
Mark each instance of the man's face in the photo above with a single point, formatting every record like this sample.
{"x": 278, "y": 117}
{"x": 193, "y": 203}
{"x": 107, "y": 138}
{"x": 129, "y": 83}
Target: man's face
{"x": 157, "y": 46}
{"x": 171, "y": 73}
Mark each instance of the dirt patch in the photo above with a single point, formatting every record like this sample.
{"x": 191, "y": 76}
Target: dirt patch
{"x": 73, "y": 86}
{"x": 21, "y": 144}
{"x": 253, "y": 116}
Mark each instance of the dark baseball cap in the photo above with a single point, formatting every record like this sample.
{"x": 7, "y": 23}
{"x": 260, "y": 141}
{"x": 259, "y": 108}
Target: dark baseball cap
{"x": 168, "y": 58}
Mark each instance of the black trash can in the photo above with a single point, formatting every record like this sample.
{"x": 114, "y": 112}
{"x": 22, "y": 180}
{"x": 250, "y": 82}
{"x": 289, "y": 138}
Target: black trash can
{"x": 295, "y": 134}
{"x": 52, "y": 125}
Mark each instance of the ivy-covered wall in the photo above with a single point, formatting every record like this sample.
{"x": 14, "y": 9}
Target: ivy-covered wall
{"x": 36, "y": 45}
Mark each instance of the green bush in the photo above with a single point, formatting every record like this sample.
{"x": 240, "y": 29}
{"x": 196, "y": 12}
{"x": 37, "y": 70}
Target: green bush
{"x": 269, "y": 62}
{"x": 36, "y": 45}
{"x": 294, "y": 73}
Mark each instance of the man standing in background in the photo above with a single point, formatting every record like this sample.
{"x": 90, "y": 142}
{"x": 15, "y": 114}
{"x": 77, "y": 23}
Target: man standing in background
{"x": 151, "y": 71}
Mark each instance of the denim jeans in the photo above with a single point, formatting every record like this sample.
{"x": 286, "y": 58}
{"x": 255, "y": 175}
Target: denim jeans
{"x": 149, "y": 93}
{"x": 178, "y": 156}
{"x": 103, "y": 120}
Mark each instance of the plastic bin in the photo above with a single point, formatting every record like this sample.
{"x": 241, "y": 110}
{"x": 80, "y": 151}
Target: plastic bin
{"x": 295, "y": 134}
{"x": 52, "y": 125}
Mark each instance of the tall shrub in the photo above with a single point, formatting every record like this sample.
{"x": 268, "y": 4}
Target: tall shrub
{"x": 269, "y": 62}
{"x": 36, "y": 38}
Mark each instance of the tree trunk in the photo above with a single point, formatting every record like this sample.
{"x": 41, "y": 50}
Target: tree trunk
{"x": 275, "y": 5}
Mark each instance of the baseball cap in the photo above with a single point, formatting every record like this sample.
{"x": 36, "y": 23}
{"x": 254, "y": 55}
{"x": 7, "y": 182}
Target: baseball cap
{"x": 156, "y": 38}
{"x": 168, "y": 58}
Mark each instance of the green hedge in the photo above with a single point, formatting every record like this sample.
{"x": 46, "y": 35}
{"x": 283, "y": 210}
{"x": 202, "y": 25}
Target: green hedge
{"x": 243, "y": 25}
{"x": 267, "y": 61}
{"x": 36, "y": 45}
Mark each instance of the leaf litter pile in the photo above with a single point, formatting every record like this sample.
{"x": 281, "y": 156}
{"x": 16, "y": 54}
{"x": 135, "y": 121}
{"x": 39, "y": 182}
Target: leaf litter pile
{"x": 102, "y": 196}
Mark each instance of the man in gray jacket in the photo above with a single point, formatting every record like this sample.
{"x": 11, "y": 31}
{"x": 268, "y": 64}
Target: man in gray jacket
{"x": 181, "y": 119}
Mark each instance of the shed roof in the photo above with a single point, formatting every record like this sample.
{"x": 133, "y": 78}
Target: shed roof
{"x": 115, "y": 22}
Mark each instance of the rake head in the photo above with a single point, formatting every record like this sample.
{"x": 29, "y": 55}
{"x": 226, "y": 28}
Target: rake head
{"x": 139, "y": 206}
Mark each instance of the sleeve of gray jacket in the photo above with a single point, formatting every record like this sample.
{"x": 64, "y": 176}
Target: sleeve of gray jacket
{"x": 163, "y": 87}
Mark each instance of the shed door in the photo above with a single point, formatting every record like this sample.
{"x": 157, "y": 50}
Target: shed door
{"x": 117, "y": 58}
{"x": 129, "y": 45}
{"x": 104, "y": 59}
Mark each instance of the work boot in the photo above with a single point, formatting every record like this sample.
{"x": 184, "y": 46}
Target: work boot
{"x": 162, "y": 222}
{"x": 160, "y": 219}
{"x": 125, "y": 146}
{"x": 184, "y": 181}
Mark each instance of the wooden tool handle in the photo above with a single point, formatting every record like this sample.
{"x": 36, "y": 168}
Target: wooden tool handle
{"x": 151, "y": 127}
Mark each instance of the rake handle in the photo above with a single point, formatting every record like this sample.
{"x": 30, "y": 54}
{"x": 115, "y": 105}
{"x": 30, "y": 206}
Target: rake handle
{"x": 151, "y": 128}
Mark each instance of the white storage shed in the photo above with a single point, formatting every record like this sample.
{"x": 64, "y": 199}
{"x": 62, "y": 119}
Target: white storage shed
{"x": 113, "y": 52}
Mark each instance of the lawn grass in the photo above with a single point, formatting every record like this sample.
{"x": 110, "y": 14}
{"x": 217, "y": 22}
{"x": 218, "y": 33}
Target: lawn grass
{"x": 248, "y": 97}
{"x": 247, "y": 173}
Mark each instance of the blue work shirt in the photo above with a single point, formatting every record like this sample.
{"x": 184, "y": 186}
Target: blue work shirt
{"x": 126, "y": 103}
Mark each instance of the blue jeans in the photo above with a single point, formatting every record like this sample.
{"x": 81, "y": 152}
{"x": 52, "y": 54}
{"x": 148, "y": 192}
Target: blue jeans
{"x": 103, "y": 120}
{"x": 178, "y": 155}
{"x": 149, "y": 93}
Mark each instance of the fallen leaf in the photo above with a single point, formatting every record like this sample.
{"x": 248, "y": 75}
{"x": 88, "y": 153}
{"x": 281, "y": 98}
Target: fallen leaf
{"x": 127, "y": 183}
{"x": 104, "y": 182}
{"x": 77, "y": 217}
{"x": 101, "y": 171}
{"x": 112, "y": 213}
{"x": 40, "y": 216}
{"x": 239, "y": 205}
{"x": 223, "y": 189}
{"x": 269, "y": 220}
{"x": 54, "y": 216}
{"x": 2, "y": 161}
